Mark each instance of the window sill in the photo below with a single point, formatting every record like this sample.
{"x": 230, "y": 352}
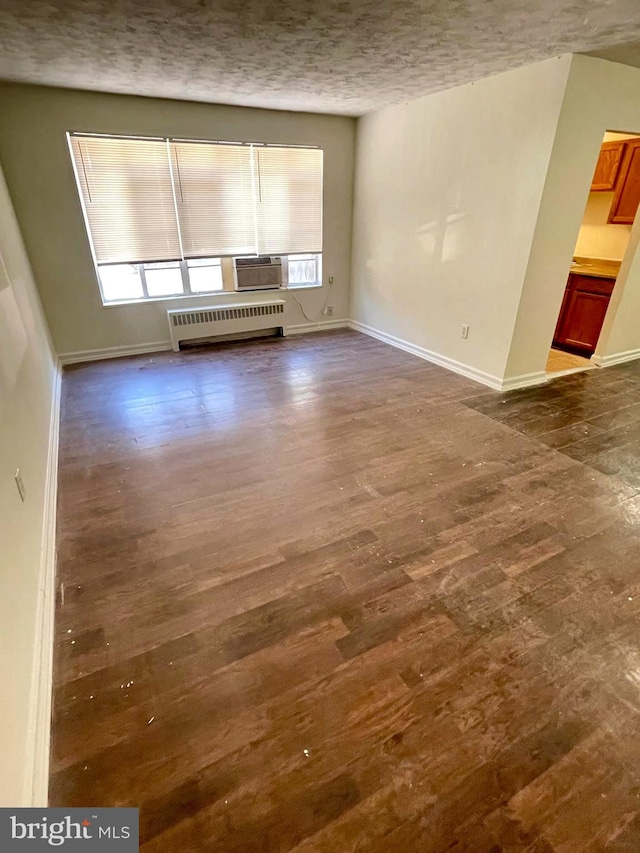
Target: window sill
{"x": 211, "y": 295}
{"x": 303, "y": 286}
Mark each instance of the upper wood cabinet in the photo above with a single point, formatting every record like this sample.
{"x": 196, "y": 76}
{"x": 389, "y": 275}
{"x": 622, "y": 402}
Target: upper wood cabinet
{"x": 627, "y": 196}
{"x": 608, "y": 167}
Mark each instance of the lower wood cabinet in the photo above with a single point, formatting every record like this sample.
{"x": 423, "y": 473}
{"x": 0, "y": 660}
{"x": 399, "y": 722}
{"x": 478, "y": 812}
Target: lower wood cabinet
{"x": 584, "y": 306}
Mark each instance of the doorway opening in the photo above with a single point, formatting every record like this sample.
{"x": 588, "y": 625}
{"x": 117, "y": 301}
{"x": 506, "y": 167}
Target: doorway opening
{"x": 602, "y": 242}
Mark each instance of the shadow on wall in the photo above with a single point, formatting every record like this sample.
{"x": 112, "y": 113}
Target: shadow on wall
{"x": 438, "y": 244}
{"x": 442, "y": 240}
{"x": 13, "y": 337}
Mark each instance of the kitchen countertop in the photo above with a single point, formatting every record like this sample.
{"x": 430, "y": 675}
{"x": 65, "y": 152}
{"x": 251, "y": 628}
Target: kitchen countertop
{"x": 596, "y": 267}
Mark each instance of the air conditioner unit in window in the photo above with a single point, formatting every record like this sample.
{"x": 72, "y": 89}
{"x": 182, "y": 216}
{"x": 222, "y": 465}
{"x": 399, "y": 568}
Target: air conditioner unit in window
{"x": 258, "y": 273}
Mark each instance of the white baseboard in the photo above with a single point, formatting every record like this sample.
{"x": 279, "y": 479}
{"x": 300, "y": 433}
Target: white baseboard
{"x": 525, "y": 380}
{"x": 320, "y": 326}
{"x": 162, "y": 346}
{"x": 113, "y": 352}
{"x": 36, "y": 785}
{"x": 443, "y": 361}
{"x": 616, "y": 358}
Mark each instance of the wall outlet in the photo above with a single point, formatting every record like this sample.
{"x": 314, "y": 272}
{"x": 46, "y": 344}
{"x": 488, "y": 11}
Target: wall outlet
{"x": 20, "y": 484}
{"x": 328, "y": 310}
{"x": 464, "y": 332}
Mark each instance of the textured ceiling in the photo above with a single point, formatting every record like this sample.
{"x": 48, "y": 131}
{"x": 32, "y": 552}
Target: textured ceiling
{"x": 341, "y": 56}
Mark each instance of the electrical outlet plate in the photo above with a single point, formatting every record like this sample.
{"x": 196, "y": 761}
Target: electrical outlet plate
{"x": 20, "y": 484}
{"x": 329, "y": 310}
{"x": 464, "y": 333}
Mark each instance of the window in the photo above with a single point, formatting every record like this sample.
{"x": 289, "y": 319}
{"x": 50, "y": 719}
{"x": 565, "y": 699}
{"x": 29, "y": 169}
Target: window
{"x": 163, "y": 279}
{"x": 134, "y": 282}
{"x": 304, "y": 270}
{"x": 289, "y": 202}
{"x": 120, "y": 282}
{"x": 128, "y": 198}
{"x": 162, "y": 214}
{"x": 214, "y": 198}
{"x": 205, "y": 275}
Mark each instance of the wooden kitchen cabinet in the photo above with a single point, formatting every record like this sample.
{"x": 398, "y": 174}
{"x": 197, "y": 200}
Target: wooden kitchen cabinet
{"x": 584, "y": 307}
{"x": 627, "y": 195}
{"x": 608, "y": 167}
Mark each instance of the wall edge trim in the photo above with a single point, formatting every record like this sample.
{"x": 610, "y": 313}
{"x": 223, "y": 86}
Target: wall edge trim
{"x": 319, "y": 326}
{"x": 525, "y": 380}
{"x": 615, "y": 358}
{"x": 36, "y": 785}
{"x": 459, "y": 367}
{"x": 113, "y": 352}
{"x": 80, "y": 356}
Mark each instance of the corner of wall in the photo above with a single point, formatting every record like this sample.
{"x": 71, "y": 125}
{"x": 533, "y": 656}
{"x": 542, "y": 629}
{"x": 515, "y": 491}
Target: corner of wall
{"x": 36, "y": 782}
{"x": 433, "y": 249}
{"x": 30, "y": 400}
{"x": 598, "y": 96}
{"x": 526, "y": 357}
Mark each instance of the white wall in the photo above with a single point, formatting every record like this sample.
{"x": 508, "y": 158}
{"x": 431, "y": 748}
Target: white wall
{"x": 599, "y": 96}
{"x": 446, "y": 198}
{"x": 38, "y": 171}
{"x": 620, "y": 336}
{"x": 27, "y": 381}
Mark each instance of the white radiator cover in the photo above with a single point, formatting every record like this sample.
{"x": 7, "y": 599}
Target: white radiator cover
{"x": 215, "y": 320}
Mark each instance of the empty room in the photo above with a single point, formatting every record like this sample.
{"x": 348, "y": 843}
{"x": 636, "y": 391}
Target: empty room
{"x": 320, "y": 426}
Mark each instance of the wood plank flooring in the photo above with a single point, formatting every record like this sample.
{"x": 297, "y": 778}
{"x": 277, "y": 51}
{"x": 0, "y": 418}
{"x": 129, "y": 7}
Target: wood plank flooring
{"x": 319, "y": 595}
{"x": 562, "y": 362}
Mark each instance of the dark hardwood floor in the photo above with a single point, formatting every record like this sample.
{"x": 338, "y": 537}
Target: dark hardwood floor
{"x": 319, "y": 595}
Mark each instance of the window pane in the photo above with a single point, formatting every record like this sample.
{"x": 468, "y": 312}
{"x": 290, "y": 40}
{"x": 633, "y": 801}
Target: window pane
{"x": 289, "y": 199}
{"x": 163, "y": 279}
{"x": 303, "y": 269}
{"x": 128, "y": 197}
{"x": 120, "y": 281}
{"x": 205, "y": 275}
{"x": 214, "y": 196}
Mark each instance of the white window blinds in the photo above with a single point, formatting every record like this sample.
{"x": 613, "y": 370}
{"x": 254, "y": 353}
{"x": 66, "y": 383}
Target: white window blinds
{"x": 128, "y": 198}
{"x": 155, "y": 200}
{"x": 289, "y": 203}
{"x": 214, "y": 198}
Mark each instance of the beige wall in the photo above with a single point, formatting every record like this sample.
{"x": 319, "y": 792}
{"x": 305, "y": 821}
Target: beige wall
{"x": 34, "y": 151}
{"x": 27, "y": 378}
{"x": 597, "y": 238}
{"x": 620, "y": 336}
{"x": 447, "y": 194}
{"x": 600, "y": 95}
